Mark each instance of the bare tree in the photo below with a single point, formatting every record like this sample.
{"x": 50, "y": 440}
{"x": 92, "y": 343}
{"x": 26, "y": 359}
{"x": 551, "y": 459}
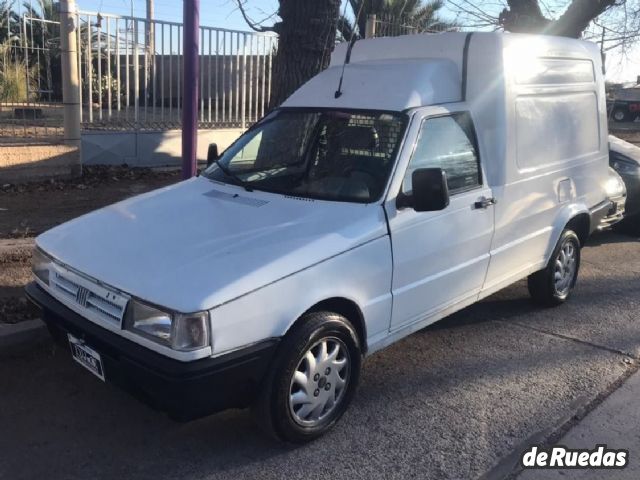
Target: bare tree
{"x": 307, "y": 32}
{"x": 526, "y": 16}
{"x": 620, "y": 19}
{"x": 614, "y": 24}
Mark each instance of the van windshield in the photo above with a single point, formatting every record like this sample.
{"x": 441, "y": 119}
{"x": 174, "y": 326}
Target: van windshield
{"x": 325, "y": 154}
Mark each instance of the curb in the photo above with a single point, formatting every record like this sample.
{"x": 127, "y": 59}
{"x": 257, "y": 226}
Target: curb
{"x": 21, "y": 336}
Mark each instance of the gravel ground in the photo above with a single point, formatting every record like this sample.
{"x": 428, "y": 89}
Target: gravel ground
{"x": 449, "y": 402}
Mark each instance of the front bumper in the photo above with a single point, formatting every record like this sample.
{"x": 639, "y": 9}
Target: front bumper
{"x": 598, "y": 213}
{"x": 185, "y": 390}
{"x": 615, "y": 213}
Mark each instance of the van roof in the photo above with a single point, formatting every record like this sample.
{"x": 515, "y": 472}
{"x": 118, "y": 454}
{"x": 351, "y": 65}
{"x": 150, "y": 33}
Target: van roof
{"x": 398, "y": 73}
{"x": 382, "y": 85}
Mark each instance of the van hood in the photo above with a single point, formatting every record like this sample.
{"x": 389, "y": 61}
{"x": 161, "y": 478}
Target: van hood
{"x": 199, "y": 243}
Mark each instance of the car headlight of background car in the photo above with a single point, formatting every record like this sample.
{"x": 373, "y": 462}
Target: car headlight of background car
{"x": 615, "y": 186}
{"x": 178, "y": 331}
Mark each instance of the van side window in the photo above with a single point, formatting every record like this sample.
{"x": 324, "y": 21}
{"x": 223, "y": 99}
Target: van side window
{"x": 447, "y": 143}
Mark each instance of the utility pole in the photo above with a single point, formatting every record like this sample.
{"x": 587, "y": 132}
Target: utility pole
{"x": 370, "y": 26}
{"x": 190, "y": 77}
{"x": 70, "y": 76}
{"x": 150, "y": 30}
{"x": 150, "y": 47}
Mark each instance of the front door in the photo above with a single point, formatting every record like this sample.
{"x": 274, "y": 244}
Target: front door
{"x": 440, "y": 258}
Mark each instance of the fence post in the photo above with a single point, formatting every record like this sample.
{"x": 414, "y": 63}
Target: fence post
{"x": 70, "y": 76}
{"x": 370, "y": 29}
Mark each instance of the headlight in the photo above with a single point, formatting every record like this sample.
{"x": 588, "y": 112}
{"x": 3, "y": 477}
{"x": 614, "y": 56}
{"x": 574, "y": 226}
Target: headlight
{"x": 40, "y": 264}
{"x": 182, "y": 332}
{"x": 624, "y": 167}
{"x": 614, "y": 186}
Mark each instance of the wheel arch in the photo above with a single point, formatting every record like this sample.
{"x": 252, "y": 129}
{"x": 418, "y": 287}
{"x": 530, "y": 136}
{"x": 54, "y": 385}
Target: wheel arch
{"x": 342, "y": 306}
{"x": 574, "y": 216}
{"x": 581, "y": 224}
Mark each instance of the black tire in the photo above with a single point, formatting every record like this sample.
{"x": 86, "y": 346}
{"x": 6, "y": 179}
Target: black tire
{"x": 619, "y": 115}
{"x": 272, "y": 410}
{"x": 543, "y": 286}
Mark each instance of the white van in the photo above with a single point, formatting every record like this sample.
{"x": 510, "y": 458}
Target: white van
{"x": 442, "y": 169}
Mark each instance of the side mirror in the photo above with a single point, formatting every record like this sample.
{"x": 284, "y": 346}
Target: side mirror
{"x": 212, "y": 154}
{"x": 429, "y": 191}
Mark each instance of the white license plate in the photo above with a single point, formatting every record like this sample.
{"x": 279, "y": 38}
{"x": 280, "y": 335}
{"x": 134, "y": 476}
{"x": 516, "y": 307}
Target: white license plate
{"x": 86, "y": 356}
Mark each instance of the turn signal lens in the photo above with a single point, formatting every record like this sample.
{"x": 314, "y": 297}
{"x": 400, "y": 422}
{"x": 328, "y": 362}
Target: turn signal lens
{"x": 191, "y": 332}
{"x": 40, "y": 264}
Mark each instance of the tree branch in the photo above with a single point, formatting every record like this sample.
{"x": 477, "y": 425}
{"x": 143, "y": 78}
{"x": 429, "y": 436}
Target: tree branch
{"x": 526, "y": 16}
{"x": 523, "y": 16}
{"x": 252, "y": 25}
{"x": 578, "y": 16}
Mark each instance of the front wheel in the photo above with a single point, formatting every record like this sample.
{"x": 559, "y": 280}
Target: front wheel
{"x": 312, "y": 380}
{"x": 553, "y": 285}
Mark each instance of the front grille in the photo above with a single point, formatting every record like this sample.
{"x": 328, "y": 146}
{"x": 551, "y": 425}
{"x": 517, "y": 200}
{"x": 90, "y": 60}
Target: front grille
{"x": 92, "y": 299}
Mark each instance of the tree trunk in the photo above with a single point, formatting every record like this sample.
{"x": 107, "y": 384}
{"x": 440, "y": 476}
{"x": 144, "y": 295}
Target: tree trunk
{"x": 307, "y": 32}
{"x": 525, "y": 16}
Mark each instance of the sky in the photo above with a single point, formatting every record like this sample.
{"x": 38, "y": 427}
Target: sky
{"x": 225, "y": 13}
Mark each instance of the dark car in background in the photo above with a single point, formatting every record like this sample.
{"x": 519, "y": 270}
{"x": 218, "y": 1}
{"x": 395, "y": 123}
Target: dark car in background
{"x": 625, "y": 105}
{"x": 624, "y": 158}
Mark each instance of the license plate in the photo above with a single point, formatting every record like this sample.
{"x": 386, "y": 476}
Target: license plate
{"x": 86, "y": 356}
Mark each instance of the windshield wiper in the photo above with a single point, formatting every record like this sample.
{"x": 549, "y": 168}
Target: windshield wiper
{"x": 234, "y": 177}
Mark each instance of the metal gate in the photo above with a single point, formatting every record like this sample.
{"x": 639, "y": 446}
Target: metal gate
{"x": 131, "y": 71}
{"x": 131, "y": 75}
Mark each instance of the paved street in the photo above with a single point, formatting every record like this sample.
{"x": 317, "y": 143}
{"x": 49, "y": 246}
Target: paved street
{"x": 614, "y": 423}
{"x": 459, "y": 400}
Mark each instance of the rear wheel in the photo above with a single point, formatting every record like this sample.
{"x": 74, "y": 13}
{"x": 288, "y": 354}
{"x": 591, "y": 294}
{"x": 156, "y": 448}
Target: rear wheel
{"x": 553, "y": 285}
{"x": 313, "y": 379}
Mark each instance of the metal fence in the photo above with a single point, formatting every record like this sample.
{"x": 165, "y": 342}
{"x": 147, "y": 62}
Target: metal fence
{"x": 131, "y": 76}
{"x": 131, "y": 71}
{"x": 31, "y": 89}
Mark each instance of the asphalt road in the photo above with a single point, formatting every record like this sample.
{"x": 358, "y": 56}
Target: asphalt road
{"x": 452, "y": 401}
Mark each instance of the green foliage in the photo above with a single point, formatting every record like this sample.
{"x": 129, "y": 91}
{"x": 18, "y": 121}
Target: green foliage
{"x": 107, "y": 82}
{"x": 13, "y": 87}
{"x": 14, "y": 77}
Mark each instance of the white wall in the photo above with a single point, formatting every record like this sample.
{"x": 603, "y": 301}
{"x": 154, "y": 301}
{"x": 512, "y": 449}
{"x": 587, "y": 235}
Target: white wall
{"x": 148, "y": 149}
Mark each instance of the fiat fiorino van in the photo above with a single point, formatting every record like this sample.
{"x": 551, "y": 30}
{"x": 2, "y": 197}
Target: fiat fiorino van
{"x": 392, "y": 189}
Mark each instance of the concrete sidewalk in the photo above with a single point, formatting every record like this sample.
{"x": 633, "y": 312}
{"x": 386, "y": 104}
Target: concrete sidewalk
{"x": 615, "y": 422}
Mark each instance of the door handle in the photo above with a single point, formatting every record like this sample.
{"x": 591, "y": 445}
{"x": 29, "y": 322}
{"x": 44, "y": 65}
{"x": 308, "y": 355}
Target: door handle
{"x": 485, "y": 202}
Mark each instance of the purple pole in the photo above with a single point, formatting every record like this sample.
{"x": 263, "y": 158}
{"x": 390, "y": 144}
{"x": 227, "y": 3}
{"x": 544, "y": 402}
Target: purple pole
{"x": 190, "y": 75}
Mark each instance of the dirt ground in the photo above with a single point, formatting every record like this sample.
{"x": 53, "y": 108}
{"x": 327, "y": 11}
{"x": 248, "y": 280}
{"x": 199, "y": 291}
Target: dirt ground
{"x": 27, "y": 210}
{"x": 628, "y": 131}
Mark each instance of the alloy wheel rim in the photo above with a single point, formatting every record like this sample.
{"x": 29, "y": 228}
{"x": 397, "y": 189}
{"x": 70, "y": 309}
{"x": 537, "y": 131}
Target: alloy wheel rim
{"x": 319, "y": 382}
{"x": 565, "y": 268}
